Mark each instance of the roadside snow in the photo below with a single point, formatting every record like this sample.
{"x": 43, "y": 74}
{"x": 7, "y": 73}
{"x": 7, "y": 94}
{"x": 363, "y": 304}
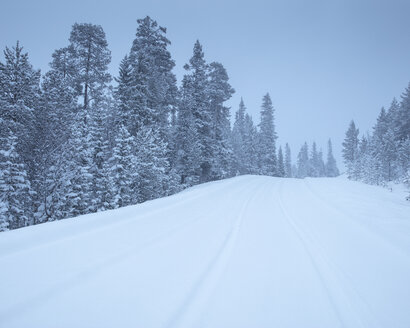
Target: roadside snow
{"x": 245, "y": 252}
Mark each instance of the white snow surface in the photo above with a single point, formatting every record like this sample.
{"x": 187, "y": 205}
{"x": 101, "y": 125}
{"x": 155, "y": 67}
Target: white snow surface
{"x": 250, "y": 251}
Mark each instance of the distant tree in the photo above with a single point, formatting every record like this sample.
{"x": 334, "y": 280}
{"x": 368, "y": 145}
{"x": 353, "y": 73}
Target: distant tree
{"x": 267, "y": 139}
{"x": 281, "y": 163}
{"x": 288, "y": 162}
{"x": 331, "y": 167}
{"x": 250, "y": 144}
{"x": 350, "y": 150}
{"x": 314, "y": 162}
{"x": 238, "y": 143}
{"x": 303, "y": 162}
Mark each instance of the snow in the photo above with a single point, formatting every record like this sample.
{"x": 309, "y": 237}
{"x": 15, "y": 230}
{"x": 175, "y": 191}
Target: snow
{"x": 250, "y": 251}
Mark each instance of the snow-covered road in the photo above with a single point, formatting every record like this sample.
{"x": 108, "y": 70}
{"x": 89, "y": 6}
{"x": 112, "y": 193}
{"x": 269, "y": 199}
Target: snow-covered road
{"x": 245, "y": 252}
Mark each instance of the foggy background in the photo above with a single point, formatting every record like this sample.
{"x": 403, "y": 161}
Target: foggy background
{"x": 323, "y": 62}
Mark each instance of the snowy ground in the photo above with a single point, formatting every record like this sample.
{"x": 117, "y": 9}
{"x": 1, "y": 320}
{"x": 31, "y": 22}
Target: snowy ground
{"x": 245, "y": 252}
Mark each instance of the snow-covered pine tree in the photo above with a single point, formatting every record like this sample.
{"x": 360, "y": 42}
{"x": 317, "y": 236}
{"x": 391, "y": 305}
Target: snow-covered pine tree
{"x": 99, "y": 143}
{"x": 78, "y": 163}
{"x": 303, "y": 162}
{"x": 186, "y": 137}
{"x": 331, "y": 169}
{"x": 54, "y": 119}
{"x": 350, "y": 150}
{"x": 288, "y": 162}
{"x": 91, "y": 59}
{"x": 15, "y": 200}
{"x": 124, "y": 174}
{"x": 153, "y": 85}
{"x": 267, "y": 139}
{"x": 219, "y": 91}
{"x": 250, "y": 140}
{"x": 238, "y": 144}
{"x": 322, "y": 166}
{"x": 384, "y": 147}
{"x": 152, "y": 165}
{"x": 281, "y": 163}
{"x": 198, "y": 102}
{"x": 314, "y": 162}
{"x": 401, "y": 122}
{"x": 19, "y": 96}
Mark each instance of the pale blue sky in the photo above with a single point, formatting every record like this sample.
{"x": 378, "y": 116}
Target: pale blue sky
{"x": 323, "y": 62}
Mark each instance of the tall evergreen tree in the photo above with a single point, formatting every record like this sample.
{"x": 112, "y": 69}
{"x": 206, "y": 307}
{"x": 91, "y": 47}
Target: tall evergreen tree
{"x": 267, "y": 139}
{"x": 303, "y": 162}
{"x": 314, "y": 166}
{"x": 91, "y": 59}
{"x": 153, "y": 85}
{"x": 250, "y": 144}
{"x": 238, "y": 135}
{"x": 220, "y": 91}
{"x": 331, "y": 167}
{"x": 19, "y": 97}
{"x": 196, "y": 98}
{"x": 281, "y": 163}
{"x": 350, "y": 150}
{"x": 288, "y": 162}
{"x": 123, "y": 170}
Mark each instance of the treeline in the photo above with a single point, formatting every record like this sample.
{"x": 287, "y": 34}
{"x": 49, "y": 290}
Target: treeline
{"x": 384, "y": 154}
{"x": 71, "y": 143}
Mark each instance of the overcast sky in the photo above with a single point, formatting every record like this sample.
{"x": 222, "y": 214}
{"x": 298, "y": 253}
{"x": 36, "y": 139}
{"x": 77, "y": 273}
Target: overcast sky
{"x": 323, "y": 62}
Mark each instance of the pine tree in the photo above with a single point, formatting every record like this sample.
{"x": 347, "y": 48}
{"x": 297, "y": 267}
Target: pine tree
{"x": 303, "y": 162}
{"x": 152, "y": 65}
{"x": 314, "y": 162}
{"x": 384, "y": 147}
{"x": 123, "y": 170}
{"x": 19, "y": 97}
{"x": 267, "y": 139}
{"x": 350, "y": 150}
{"x": 219, "y": 91}
{"x": 250, "y": 140}
{"x": 91, "y": 59}
{"x": 281, "y": 163}
{"x": 152, "y": 165}
{"x": 198, "y": 102}
{"x": 14, "y": 187}
{"x": 288, "y": 162}
{"x": 186, "y": 138}
{"x": 331, "y": 167}
{"x": 238, "y": 143}
{"x": 54, "y": 118}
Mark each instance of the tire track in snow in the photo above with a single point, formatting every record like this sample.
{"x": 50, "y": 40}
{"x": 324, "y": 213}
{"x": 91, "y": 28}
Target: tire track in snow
{"x": 337, "y": 292}
{"x": 287, "y": 218}
{"x": 118, "y": 223}
{"x": 94, "y": 268}
{"x": 188, "y": 313}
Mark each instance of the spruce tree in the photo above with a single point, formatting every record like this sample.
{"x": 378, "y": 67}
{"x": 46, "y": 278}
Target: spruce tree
{"x": 267, "y": 139}
{"x": 331, "y": 167}
{"x": 288, "y": 162}
{"x": 124, "y": 173}
{"x": 303, "y": 162}
{"x": 238, "y": 143}
{"x": 91, "y": 59}
{"x": 281, "y": 163}
{"x": 250, "y": 139}
{"x": 350, "y": 150}
{"x": 220, "y": 91}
